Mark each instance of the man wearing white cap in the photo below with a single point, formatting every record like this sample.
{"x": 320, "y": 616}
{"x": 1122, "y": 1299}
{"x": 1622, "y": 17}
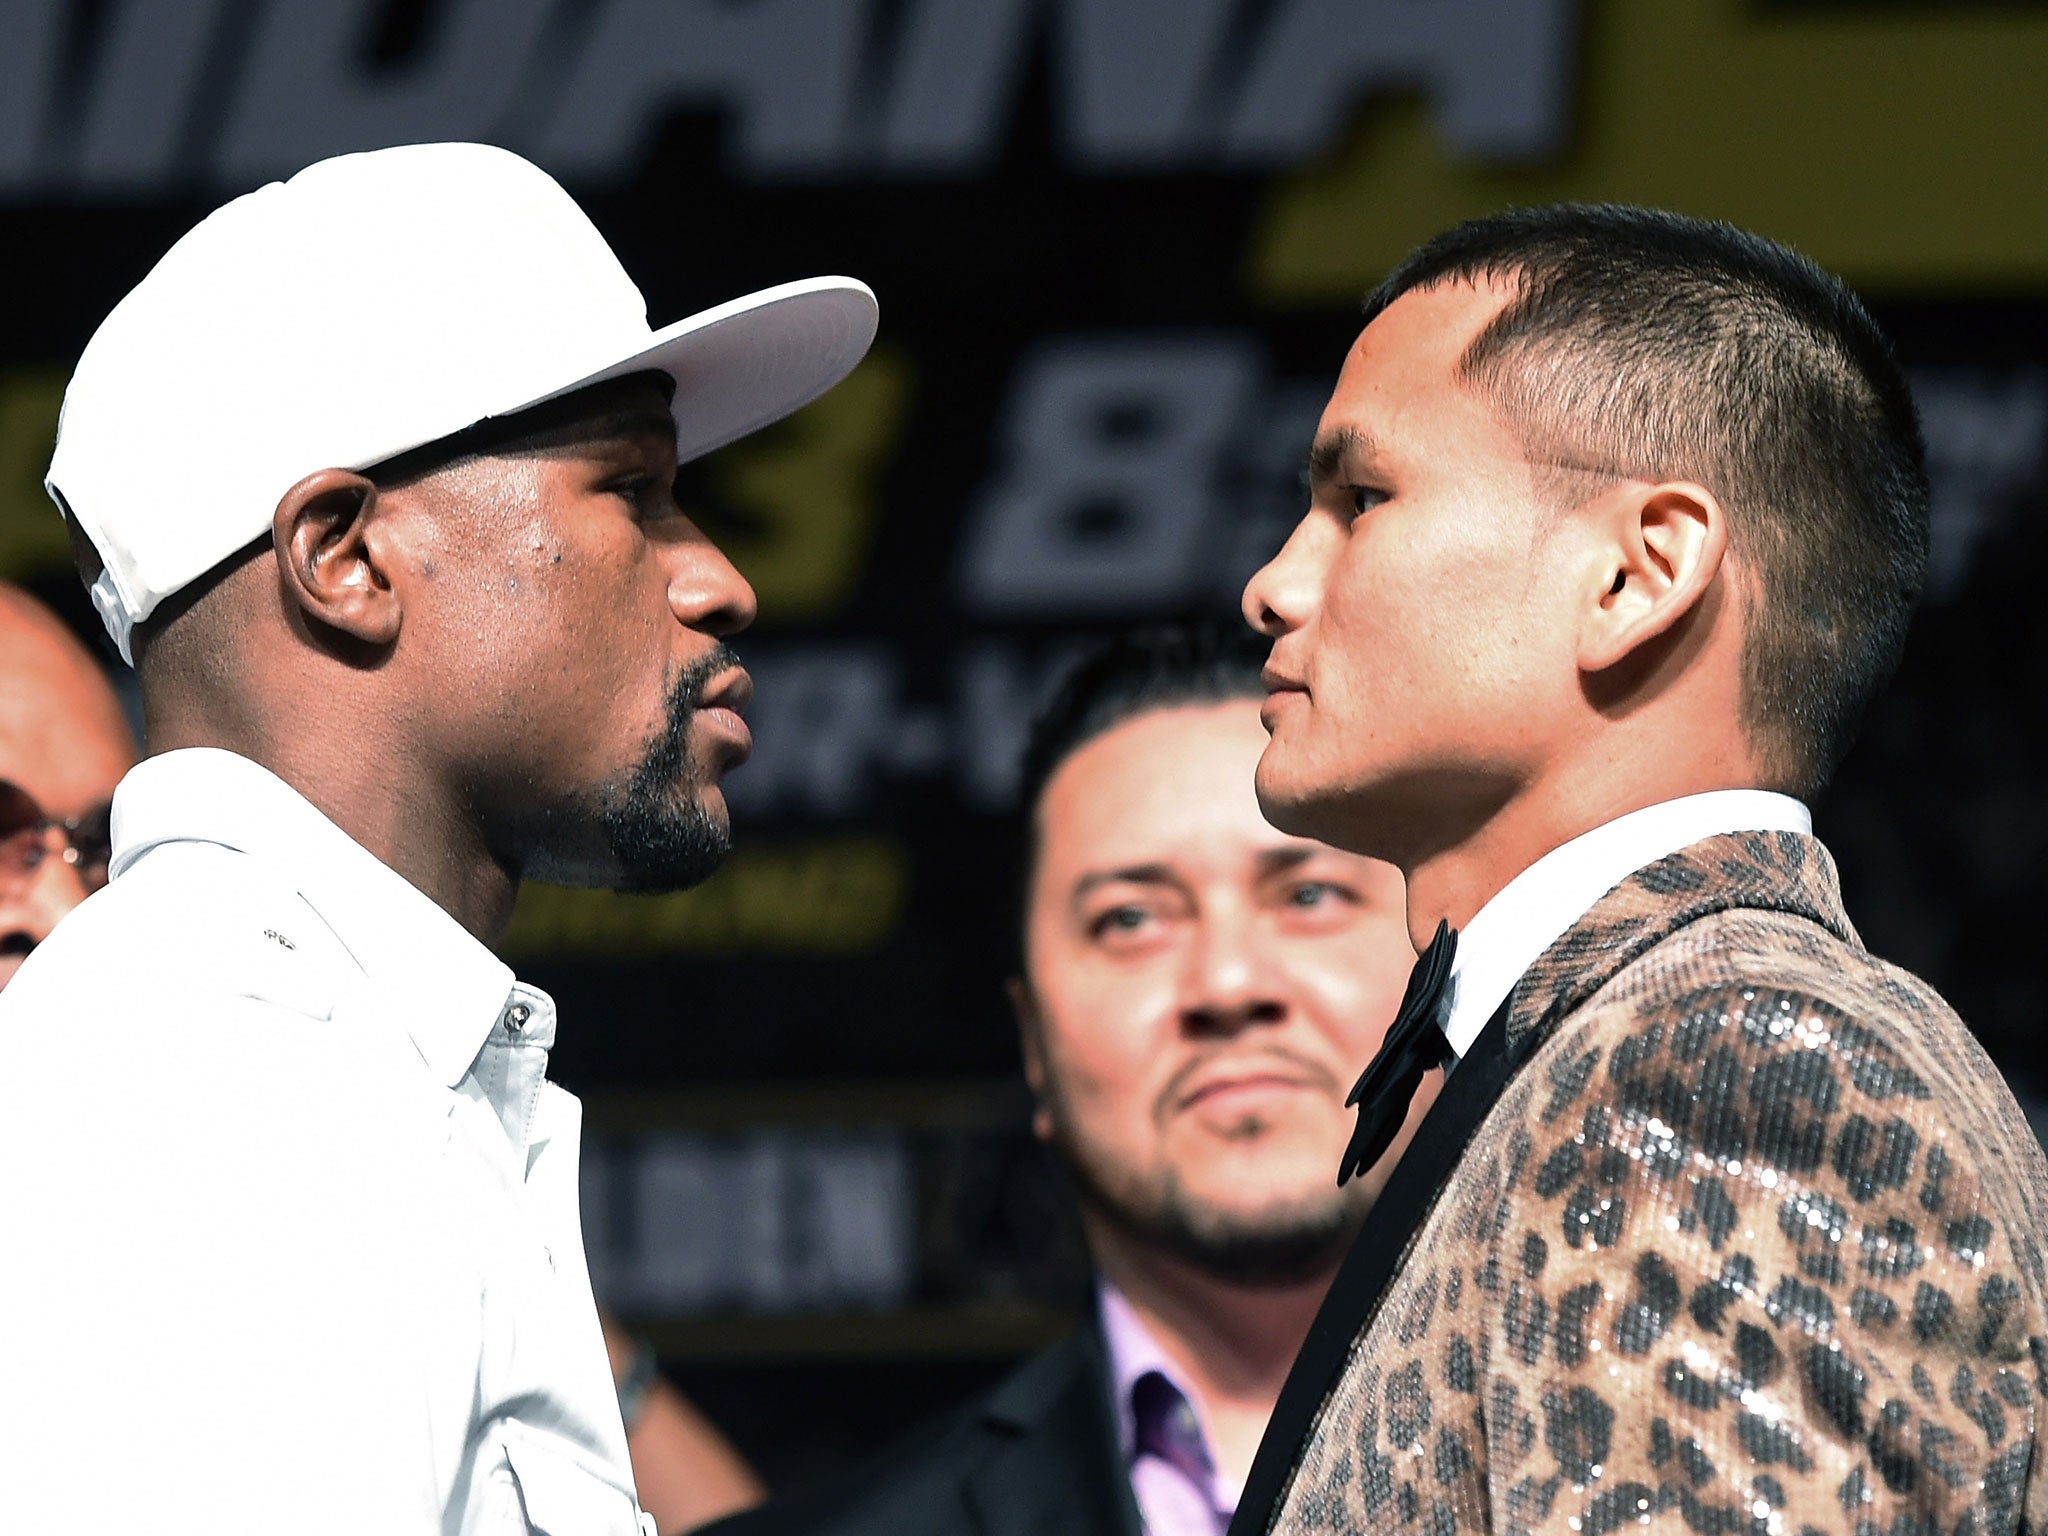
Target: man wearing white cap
{"x": 371, "y": 477}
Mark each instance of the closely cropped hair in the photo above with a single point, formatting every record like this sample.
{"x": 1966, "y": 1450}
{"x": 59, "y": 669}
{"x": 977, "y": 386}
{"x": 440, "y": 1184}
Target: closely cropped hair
{"x": 1654, "y": 346}
{"x": 1166, "y": 666}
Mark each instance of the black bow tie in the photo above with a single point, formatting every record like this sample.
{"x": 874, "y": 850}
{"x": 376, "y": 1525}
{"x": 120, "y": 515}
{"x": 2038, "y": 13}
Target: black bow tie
{"x": 1413, "y": 1045}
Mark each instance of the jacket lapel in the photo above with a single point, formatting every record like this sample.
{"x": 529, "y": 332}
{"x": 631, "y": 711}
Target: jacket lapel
{"x": 1054, "y": 1466}
{"x": 1375, "y": 1254}
{"x": 1774, "y": 871}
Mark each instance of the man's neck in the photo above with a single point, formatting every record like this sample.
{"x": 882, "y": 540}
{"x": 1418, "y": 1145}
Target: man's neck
{"x": 1231, "y": 1344}
{"x": 377, "y": 797}
{"x": 1452, "y": 883}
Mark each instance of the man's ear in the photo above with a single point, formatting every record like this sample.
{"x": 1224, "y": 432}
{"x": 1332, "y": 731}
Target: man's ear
{"x": 1030, "y": 1039}
{"x": 1666, "y": 545}
{"x": 329, "y": 560}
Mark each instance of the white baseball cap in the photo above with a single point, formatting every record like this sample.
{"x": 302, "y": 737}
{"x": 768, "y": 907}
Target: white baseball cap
{"x": 372, "y": 304}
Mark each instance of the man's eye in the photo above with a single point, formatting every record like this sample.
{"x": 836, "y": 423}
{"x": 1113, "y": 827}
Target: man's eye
{"x": 1315, "y": 895}
{"x": 1364, "y": 498}
{"x": 1116, "y": 920}
{"x": 638, "y": 490}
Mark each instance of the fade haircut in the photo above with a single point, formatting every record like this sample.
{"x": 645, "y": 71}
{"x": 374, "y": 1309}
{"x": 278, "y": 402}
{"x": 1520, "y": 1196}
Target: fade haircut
{"x": 1138, "y": 672}
{"x": 1646, "y": 345}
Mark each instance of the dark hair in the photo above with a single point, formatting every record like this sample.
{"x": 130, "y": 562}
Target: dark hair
{"x": 1652, "y": 345}
{"x": 1163, "y": 666}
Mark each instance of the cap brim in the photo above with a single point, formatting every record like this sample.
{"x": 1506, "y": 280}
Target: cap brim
{"x": 753, "y": 360}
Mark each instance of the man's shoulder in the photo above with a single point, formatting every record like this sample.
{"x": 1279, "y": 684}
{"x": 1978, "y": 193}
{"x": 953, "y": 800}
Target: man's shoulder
{"x": 196, "y": 926}
{"x": 1769, "y": 947}
{"x": 1803, "y": 1015}
{"x": 1048, "y": 1421}
{"x": 197, "y": 998}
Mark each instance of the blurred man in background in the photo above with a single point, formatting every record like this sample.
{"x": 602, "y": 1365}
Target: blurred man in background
{"x": 685, "y": 1470}
{"x": 64, "y": 744}
{"x": 1198, "y": 993}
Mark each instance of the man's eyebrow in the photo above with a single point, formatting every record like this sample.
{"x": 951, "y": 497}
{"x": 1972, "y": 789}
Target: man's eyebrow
{"x": 1273, "y": 861}
{"x": 1129, "y": 874}
{"x": 1336, "y": 448}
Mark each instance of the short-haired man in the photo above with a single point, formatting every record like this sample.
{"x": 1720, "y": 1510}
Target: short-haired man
{"x": 1197, "y": 995}
{"x": 1718, "y": 1222}
{"x": 371, "y": 477}
{"x": 64, "y": 744}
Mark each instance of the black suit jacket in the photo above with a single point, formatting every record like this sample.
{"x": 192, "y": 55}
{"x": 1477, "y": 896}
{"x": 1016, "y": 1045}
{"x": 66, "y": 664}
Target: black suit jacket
{"x": 1038, "y": 1456}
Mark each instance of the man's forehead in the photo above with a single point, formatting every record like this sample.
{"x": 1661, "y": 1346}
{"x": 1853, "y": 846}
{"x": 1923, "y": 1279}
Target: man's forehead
{"x": 634, "y": 406}
{"x": 1431, "y": 327}
{"x": 1407, "y": 356}
{"x": 62, "y": 734}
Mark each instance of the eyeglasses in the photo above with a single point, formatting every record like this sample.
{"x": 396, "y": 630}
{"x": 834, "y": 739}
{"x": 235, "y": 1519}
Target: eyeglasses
{"x": 29, "y": 838}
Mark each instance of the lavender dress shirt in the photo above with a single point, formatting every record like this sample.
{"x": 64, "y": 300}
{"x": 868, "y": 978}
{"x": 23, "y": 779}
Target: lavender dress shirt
{"x": 1173, "y": 1473}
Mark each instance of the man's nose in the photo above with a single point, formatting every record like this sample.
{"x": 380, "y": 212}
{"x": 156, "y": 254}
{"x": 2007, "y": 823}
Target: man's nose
{"x": 707, "y": 592}
{"x": 1228, "y": 983}
{"x": 1282, "y": 594}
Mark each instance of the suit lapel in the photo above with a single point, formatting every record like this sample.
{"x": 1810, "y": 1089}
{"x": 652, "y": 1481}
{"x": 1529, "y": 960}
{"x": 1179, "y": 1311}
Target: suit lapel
{"x": 1054, "y": 1466}
{"x": 1374, "y": 1256}
{"x": 1775, "y": 871}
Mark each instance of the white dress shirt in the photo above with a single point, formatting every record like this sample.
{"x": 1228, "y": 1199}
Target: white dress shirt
{"x": 288, "y": 1221}
{"x": 1533, "y": 910}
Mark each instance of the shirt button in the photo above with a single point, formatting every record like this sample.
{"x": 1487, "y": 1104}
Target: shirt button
{"x": 516, "y": 1017}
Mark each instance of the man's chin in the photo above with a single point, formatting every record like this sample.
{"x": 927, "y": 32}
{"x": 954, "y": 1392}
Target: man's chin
{"x": 643, "y": 842}
{"x": 1272, "y": 1199}
{"x": 1286, "y": 1232}
{"x": 686, "y": 856}
{"x": 1293, "y": 807}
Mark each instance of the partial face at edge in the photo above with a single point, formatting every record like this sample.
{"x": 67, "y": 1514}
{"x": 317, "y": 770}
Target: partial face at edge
{"x": 570, "y": 623}
{"x": 1202, "y": 992}
{"x": 65, "y": 744}
{"x": 1422, "y": 653}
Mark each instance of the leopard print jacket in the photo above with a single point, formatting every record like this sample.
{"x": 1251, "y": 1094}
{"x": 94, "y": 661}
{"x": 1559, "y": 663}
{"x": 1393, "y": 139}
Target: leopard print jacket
{"x": 1752, "y": 1243}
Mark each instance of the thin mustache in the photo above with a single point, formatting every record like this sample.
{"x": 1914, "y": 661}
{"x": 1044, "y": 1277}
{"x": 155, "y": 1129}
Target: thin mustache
{"x": 666, "y": 758}
{"x": 1176, "y": 1085}
{"x": 689, "y": 684}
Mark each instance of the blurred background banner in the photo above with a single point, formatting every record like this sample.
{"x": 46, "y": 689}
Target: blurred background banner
{"x": 1119, "y": 247}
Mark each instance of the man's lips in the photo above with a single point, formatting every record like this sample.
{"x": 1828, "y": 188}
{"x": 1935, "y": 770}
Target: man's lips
{"x": 1222, "y": 1083}
{"x": 722, "y": 706}
{"x": 1275, "y": 681}
{"x": 1280, "y": 689}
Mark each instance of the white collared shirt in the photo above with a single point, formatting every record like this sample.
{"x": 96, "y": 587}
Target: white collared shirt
{"x": 288, "y": 1221}
{"x": 1533, "y": 910}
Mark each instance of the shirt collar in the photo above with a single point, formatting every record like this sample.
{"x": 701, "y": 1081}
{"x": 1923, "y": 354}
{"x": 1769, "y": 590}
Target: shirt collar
{"x": 1506, "y": 936}
{"x": 1133, "y": 1353}
{"x": 444, "y": 985}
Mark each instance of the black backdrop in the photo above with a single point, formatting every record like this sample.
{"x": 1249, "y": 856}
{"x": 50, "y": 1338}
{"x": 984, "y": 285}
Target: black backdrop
{"x": 1117, "y": 245}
